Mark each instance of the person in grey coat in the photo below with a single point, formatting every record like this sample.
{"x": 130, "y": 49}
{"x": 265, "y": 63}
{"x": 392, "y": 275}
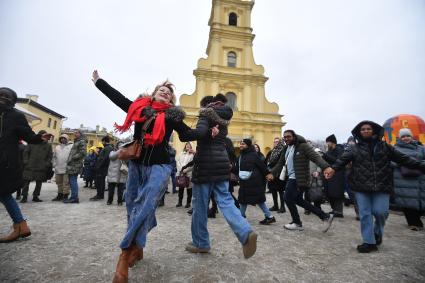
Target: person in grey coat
{"x": 117, "y": 176}
{"x": 409, "y": 185}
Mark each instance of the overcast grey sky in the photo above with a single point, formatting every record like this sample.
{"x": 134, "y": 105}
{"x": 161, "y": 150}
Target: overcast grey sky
{"x": 330, "y": 63}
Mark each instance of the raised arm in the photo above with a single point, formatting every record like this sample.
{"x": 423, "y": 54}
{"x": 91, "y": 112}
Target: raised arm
{"x": 114, "y": 95}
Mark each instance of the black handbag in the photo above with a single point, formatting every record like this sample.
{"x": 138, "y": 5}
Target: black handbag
{"x": 182, "y": 181}
{"x": 316, "y": 194}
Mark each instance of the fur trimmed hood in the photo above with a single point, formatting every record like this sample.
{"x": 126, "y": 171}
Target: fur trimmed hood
{"x": 175, "y": 114}
{"x": 220, "y": 117}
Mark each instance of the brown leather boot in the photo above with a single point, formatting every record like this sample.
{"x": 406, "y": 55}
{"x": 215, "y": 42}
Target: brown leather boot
{"x": 20, "y": 230}
{"x": 136, "y": 254}
{"x": 121, "y": 273}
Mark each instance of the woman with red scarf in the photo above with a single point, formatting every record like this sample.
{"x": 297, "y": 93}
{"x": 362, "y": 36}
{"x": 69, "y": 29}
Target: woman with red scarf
{"x": 147, "y": 176}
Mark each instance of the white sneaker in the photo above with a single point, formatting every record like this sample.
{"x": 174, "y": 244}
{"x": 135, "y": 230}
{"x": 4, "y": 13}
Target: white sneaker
{"x": 293, "y": 226}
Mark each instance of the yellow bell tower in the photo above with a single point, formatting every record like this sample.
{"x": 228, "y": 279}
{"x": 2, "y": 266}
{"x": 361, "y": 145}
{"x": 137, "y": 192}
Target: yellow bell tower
{"x": 230, "y": 69}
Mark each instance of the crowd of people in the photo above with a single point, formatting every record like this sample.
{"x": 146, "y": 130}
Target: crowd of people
{"x": 371, "y": 172}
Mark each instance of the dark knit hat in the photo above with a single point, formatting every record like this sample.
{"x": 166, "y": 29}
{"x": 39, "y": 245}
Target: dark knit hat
{"x": 248, "y": 142}
{"x": 331, "y": 139}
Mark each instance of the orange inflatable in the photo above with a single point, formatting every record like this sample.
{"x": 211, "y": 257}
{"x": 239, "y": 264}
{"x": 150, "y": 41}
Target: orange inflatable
{"x": 393, "y": 125}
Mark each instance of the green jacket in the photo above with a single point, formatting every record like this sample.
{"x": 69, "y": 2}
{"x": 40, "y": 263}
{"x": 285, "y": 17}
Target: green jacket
{"x": 303, "y": 154}
{"x": 37, "y": 159}
{"x": 74, "y": 165}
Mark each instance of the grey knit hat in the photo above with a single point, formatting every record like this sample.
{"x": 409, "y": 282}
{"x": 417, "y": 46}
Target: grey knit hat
{"x": 405, "y": 132}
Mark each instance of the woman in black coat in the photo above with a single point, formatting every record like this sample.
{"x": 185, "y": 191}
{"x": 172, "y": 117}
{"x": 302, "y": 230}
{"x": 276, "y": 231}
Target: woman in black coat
{"x": 252, "y": 190}
{"x": 13, "y": 127}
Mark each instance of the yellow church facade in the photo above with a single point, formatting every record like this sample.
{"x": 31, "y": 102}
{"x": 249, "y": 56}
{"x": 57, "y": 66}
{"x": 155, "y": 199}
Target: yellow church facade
{"x": 230, "y": 69}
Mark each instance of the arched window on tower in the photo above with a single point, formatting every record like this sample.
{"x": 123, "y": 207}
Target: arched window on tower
{"x": 231, "y": 59}
{"x": 233, "y": 19}
{"x": 231, "y": 100}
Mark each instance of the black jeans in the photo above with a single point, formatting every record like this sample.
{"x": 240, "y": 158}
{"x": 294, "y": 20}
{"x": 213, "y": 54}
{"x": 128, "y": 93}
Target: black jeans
{"x": 100, "y": 186}
{"x": 336, "y": 205}
{"x": 37, "y": 189}
{"x": 413, "y": 217}
{"x": 294, "y": 197}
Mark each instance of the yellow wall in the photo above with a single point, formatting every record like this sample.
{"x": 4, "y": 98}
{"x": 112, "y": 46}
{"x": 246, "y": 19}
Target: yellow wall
{"x": 55, "y": 122}
{"x": 254, "y": 117}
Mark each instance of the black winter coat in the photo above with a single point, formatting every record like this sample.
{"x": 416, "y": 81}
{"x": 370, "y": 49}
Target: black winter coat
{"x": 157, "y": 154}
{"x": 102, "y": 161}
{"x": 371, "y": 162}
{"x": 211, "y": 161}
{"x": 334, "y": 187}
{"x": 13, "y": 127}
{"x": 252, "y": 191}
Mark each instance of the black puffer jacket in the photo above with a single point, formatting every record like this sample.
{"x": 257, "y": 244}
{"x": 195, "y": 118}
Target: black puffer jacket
{"x": 252, "y": 191}
{"x": 334, "y": 187}
{"x": 13, "y": 127}
{"x": 211, "y": 161}
{"x": 371, "y": 162}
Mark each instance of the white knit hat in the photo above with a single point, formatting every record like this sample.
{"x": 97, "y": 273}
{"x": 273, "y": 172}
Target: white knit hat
{"x": 405, "y": 132}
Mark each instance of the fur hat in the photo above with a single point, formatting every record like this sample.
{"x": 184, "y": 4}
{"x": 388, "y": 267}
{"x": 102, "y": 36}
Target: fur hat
{"x": 405, "y": 132}
{"x": 331, "y": 139}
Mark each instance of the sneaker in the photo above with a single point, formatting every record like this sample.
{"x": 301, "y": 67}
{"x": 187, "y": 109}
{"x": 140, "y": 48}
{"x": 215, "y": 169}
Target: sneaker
{"x": 267, "y": 221}
{"x": 378, "y": 239}
{"x": 187, "y": 205}
{"x": 281, "y": 210}
{"x": 192, "y": 249}
{"x": 179, "y": 204}
{"x": 294, "y": 227}
{"x": 366, "y": 248}
{"x": 273, "y": 208}
{"x": 328, "y": 222}
{"x": 250, "y": 246}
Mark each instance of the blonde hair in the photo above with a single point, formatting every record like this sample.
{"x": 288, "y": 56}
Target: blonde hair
{"x": 168, "y": 85}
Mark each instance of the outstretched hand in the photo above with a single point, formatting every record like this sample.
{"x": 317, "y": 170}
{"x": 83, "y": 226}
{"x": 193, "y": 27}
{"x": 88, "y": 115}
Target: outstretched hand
{"x": 269, "y": 177}
{"x": 46, "y": 136}
{"x": 95, "y": 76}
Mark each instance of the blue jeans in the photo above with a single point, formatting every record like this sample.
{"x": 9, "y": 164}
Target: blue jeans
{"x": 376, "y": 205}
{"x": 12, "y": 208}
{"x": 74, "y": 186}
{"x": 200, "y": 197}
{"x": 145, "y": 187}
{"x": 263, "y": 207}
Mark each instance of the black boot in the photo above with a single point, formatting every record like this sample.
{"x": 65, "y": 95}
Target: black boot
{"x": 36, "y": 199}
{"x": 59, "y": 197}
{"x": 65, "y": 196}
{"x": 24, "y": 199}
{"x": 275, "y": 206}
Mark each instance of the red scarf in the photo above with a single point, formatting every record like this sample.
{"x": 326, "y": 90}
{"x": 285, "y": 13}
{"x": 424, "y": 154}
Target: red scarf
{"x": 134, "y": 114}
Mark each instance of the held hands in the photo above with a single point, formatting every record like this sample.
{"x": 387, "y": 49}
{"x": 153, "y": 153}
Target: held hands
{"x": 95, "y": 76}
{"x": 269, "y": 177}
{"x": 214, "y": 131}
{"x": 329, "y": 172}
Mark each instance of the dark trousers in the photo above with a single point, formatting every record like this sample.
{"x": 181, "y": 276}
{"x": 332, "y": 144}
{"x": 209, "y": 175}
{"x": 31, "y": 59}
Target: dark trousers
{"x": 173, "y": 181}
{"x": 276, "y": 193}
{"x": 294, "y": 197}
{"x": 37, "y": 189}
{"x": 100, "y": 186}
{"x": 111, "y": 191}
{"x": 413, "y": 217}
{"x": 189, "y": 195}
{"x": 336, "y": 205}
